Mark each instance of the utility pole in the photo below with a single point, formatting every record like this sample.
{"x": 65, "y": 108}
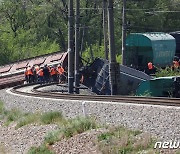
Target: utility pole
{"x": 114, "y": 71}
{"x": 105, "y": 28}
{"x": 124, "y": 33}
{"x": 77, "y": 77}
{"x": 70, "y": 48}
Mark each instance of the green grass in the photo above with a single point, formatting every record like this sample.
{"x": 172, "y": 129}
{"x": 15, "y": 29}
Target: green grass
{"x": 167, "y": 72}
{"x": 51, "y": 117}
{"x": 116, "y": 140}
{"x": 1, "y": 108}
{"x": 77, "y": 126}
{"x": 123, "y": 141}
{"x": 23, "y": 119}
{"x": 69, "y": 128}
{"x": 52, "y": 137}
{"x": 28, "y": 119}
{"x": 40, "y": 150}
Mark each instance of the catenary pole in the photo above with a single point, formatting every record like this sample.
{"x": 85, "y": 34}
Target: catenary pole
{"x": 114, "y": 71}
{"x": 70, "y": 48}
{"x": 105, "y": 28}
{"x": 77, "y": 77}
{"x": 124, "y": 33}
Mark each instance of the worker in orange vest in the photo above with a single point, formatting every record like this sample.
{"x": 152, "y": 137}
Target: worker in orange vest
{"x": 53, "y": 73}
{"x": 35, "y": 70}
{"x": 176, "y": 64}
{"x": 26, "y": 75}
{"x": 40, "y": 75}
{"x": 60, "y": 70}
{"x": 150, "y": 68}
{"x": 30, "y": 74}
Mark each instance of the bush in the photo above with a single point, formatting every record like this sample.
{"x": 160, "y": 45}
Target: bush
{"x": 13, "y": 115}
{"x": 40, "y": 150}
{"x": 77, "y": 126}
{"x": 28, "y": 119}
{"x": 166, "y": 72}
{"x": 122, "y": 140}
{"x": 51, "y": 117}
{"x": 52, "y": 137}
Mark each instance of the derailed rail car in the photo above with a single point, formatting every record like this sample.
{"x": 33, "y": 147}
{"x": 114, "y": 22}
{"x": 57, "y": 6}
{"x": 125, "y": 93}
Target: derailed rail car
{"x": 96, "y": 76}
{"x": 160, "y": 87}
{"x": 13, "y": 74}
{"x": 141, "y": 48}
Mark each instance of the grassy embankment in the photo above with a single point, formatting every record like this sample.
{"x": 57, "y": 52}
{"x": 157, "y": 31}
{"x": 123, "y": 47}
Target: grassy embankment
{"x": 114, "y": 140}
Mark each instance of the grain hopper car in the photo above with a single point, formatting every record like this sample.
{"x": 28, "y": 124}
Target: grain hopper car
{"x": 141, "y": 48}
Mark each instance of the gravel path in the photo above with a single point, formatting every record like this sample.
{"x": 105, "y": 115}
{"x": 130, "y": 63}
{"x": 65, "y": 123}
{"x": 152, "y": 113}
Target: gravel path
{"x": 58, "y": 88}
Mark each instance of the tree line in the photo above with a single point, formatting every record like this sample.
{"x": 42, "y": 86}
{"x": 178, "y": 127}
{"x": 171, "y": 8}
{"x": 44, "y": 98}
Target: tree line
{"x": 34, "y": 27}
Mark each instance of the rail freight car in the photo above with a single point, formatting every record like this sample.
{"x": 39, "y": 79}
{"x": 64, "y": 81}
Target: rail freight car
{"x": 176, "y": 35}
{"x": 141, "y": 48}
{"x": 96, "y": 77}
{"x": 160, "y": 87}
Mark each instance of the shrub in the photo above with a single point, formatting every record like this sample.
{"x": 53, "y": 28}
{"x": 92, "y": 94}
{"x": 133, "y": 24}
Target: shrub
{"x": 166, "y": 72}
{"x": 28, "y": 119}
{"x": 40, "y": 150}
{"x": 51, "y": 117}
{"x": 13, "y": 115}
{"x": 52, "y": 137}
{"x": 122, "y": 140}
{"x": 77, "y": 126}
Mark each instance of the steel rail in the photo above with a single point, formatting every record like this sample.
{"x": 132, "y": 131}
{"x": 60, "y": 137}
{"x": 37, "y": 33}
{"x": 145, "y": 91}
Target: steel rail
{"x": 164, "y": 101}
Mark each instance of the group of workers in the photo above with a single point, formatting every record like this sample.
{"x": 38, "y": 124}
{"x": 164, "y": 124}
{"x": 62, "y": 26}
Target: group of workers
{"x": 46, "y": 74}
{"x": 152, "y": 68}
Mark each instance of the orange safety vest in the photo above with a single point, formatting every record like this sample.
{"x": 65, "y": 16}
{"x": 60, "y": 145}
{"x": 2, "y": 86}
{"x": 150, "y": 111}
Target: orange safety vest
{"x": 53, "y": 71}
{"x": 60, "y": 70}
{"x": 176, "y": 64}
{"x": 29, "y": 71}
{"x": 25, "y": 72}
{"x": 37, "y": 69}
{"x": 40, "y": 72}
{"x": 150, "y": 66}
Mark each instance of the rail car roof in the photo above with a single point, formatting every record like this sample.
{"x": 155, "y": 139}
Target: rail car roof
{"x": 147, "y": 39}
{"x": 5, "y": 69}
{"x": 19, "y": 66}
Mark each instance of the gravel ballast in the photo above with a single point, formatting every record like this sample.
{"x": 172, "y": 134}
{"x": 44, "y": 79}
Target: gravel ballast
{"x": 161, "y": 121}
{"x": 84, "y": 143}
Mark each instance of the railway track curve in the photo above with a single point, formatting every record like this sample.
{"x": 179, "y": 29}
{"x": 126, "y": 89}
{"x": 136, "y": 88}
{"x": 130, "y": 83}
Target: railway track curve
{"x": 35, "y": 92}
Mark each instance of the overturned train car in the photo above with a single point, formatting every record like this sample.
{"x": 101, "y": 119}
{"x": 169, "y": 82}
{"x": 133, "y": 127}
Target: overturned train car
{"x": 97, "y": 78}
{"x": 133, "y": 82}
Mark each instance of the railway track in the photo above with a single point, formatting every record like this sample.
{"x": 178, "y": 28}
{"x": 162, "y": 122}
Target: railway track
{"x": 122, "y": 99}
